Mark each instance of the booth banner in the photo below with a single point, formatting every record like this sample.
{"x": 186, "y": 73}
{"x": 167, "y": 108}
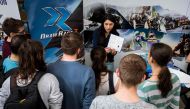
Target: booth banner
{"x": 141, "y": 22}
{"x": 48, "y": 20}
{"x": 8, "y": 8}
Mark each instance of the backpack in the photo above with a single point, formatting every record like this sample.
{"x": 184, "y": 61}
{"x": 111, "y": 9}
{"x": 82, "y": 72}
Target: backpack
{"x": 4, "y": 76}
{"x": 26, "y": 97}
{"x": 111, "y": 84}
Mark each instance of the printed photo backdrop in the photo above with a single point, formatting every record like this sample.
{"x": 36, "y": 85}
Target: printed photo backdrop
{"x": 142, "y": 23}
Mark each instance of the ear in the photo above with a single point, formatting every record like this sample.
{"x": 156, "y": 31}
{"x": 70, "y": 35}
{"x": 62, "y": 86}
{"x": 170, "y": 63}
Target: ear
{"x": 78, "y": 51}
{"x": 117, "y": 72}
{"x": 144, "y": 77}
{"x": 150, "y": 59}
{"x": 12, "y": 34}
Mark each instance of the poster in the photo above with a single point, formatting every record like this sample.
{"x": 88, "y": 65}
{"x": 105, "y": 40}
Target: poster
{"x": 48, "y": 20}
{"x": 142, "y": 23}
{"x": 6, "y": 11}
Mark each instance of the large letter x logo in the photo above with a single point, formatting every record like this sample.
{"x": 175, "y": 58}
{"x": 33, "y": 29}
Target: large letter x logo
{"x": 58, "y": 17}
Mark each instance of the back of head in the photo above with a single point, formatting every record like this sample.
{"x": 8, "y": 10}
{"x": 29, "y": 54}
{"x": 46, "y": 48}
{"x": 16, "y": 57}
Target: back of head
{"x": 11, "y": 25}
{"x": 162, "y": 54}
{"x": 98, "y": 57}
{"x": 16, "y": 42}
{"x": 71, "y": 42}
{"x": 26, "y": 60}
{"x": 39, "y": 56}
{"x": 132, "y": 69}
{"x": 30, "y": 58}
{"x": 98, "y": 54}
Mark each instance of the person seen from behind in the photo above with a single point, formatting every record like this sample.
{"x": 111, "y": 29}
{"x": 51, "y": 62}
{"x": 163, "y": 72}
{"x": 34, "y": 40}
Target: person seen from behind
{"x": 130, "y": 72}
{"x": 31, "y": 65}
{"x": 162, "y": 88}
{"x": 77, "y": 81}
{"x": 102, "y": 74}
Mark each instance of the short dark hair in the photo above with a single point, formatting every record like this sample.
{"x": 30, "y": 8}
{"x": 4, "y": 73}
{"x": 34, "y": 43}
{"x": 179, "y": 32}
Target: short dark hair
{"x": 71, "y": 42}
{"x": 16, "y": 42}
{"x": 12, "y": 25}
{"x": 132, "y": 68}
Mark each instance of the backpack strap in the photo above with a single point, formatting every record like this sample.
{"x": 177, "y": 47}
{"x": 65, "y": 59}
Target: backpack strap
{"x": 4, "y": 76}
{"x": 37, "y": 77}
{"x": 111, "y": 84}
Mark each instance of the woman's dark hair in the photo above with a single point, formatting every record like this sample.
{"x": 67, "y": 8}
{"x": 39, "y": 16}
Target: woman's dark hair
{"x": 16, "y": 42}
{"x": 162, "y": 54}
{"x": 102, "y": 29}
{"x": 30, "y": 59}
{"x": 39, "y": 56}
{"x": 98, "y": 57}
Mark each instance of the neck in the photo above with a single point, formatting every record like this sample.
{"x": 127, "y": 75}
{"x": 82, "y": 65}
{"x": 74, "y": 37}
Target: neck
{"x": 128, "y": 95}
{"x": 66, "y": 57}
{"x": 155, "y": 72}
{"x": 9, "y": 38}
{"x": 14, "y": 57}
{"x": 106, "y": 34}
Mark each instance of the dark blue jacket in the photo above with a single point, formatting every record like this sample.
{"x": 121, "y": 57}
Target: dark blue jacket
{"x": 77, "y": 83}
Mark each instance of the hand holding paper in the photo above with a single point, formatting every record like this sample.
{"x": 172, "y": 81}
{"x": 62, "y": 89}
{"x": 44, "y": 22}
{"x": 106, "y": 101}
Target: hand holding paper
{"x": 115, "y": 42}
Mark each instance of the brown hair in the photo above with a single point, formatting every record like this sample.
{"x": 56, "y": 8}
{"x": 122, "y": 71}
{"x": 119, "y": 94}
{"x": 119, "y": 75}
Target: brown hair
{"x": 11, "y": 25}
{"x": 30, "y": 59}
{"x": 71, "y": 42}
{"x": 16, "y": 42}
{"x": 98, "y": 57}
{"x": 132, "y": 69}
{"x": 162, "y": 54}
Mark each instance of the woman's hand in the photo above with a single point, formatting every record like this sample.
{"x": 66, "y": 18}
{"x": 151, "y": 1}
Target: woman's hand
{"x": 108, "y": 50}
{"x": 113, "y": 52}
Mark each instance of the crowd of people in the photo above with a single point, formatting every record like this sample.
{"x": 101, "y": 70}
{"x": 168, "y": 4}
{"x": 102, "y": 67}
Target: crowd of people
{"x": 69, "y": 84}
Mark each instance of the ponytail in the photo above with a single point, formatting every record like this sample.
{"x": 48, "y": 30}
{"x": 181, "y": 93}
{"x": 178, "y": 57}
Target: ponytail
{"x": 165, "y": 84}
{"x": 98, "y": 68}
{"x": 98, "y": 57}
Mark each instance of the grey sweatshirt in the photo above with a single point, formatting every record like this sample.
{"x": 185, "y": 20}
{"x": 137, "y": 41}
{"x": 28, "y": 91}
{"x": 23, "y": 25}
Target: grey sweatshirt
{"x": 48, "y": 87}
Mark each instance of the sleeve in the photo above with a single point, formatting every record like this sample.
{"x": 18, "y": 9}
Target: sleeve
{"x": 176, "y": 99}
{"x": 50, "y": 93}
{"x": 89, "y": 91}
{"x": 4, "y": 92}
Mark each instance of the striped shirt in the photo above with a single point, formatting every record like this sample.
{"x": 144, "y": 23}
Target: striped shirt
{"x": 149, "y": 92}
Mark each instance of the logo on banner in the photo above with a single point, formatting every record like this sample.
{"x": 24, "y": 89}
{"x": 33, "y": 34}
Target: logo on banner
{"x": 3, "y": 2}
{"x": 58, "y": 17}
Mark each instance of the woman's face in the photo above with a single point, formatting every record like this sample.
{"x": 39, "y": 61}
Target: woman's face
{"x": 108, "y": 25}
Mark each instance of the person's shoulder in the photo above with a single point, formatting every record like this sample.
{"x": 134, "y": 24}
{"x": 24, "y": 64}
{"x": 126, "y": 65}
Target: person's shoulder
{"x": 174, "y": 77}
{"x": 53, "y": 64}
{"x": 147, "y": 105}
{"x": 146, "y": 85}
{"x": 47, "y": 78}
{"x": 102, "y": 98}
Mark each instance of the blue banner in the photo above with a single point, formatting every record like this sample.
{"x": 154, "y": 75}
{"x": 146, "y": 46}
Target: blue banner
{"x": 50, "y": 19}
